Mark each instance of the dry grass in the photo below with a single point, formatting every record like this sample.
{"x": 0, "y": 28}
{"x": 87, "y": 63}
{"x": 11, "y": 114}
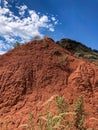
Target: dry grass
{"x": 61, "y": 119}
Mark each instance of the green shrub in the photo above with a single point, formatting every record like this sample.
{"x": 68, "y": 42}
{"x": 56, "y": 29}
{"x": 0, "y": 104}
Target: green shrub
{"x": 59, "y": 120}
{"x": 61, "y": 59}
{"x": 61, "y": 104}
{"x": 17, "y": 44}
{"x": 36, "y": 37}
{"x": 80, "y": 114}
{"x": 56, "y": 51}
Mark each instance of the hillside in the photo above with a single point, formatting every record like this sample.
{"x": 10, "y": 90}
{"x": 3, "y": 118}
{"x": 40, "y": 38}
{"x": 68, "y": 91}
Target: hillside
{"x": 79, "y": 50}
{"x": 33, "y": 72}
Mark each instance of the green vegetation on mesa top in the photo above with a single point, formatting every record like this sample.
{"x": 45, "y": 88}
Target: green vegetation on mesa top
{"x": 79, "y": 50}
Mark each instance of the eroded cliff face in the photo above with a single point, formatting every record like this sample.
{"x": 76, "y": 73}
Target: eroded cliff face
{"x": 30, "y": 74}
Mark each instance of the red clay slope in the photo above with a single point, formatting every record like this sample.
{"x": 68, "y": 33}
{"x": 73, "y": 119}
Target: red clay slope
{"x": 32, "y": 73}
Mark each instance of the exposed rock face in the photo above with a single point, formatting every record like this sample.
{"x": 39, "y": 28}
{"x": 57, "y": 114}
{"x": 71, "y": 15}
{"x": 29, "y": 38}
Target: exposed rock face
{"x": 35, "y": 71}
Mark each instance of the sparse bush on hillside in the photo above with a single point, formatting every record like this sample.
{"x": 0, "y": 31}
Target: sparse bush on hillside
{"x": 17, "y": 44}
{"x": 79, "y": 50}
{"x": 61, "y": 59}
{"x": 56, "y": 51}
{"x": 36, "y": 37}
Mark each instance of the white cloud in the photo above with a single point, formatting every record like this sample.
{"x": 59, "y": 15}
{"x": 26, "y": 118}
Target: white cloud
{"x": 2, "y": 52}
{"x": 53, "y": 18}
{"x": 23, "y": 27}
{"x": 5, "y": 3}
{"x": 3, "y": 47}
{"x": 22, "y": 9}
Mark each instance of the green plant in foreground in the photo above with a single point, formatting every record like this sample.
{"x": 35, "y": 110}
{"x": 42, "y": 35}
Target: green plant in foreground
{"x": 48, "y": 121}
{"x": 61, "y": 104}
{"x": 80, "y": 114}
{"x": 51, "y": 121}
{"x": 30, "y": 125}
{"x": 61, "y": 118}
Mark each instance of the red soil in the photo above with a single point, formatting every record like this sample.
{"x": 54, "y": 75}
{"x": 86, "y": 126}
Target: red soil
{"x": 32, "y": 73}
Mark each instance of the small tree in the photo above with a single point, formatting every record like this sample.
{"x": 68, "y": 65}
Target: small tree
{"x": 17, "y": 44}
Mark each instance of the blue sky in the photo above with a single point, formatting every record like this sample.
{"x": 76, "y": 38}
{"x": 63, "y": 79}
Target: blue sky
{"x": 21, "y": 20}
